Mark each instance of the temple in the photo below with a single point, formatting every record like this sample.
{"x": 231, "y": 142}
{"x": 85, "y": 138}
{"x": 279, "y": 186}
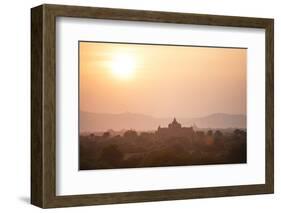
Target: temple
{"x": 175, "y": 129}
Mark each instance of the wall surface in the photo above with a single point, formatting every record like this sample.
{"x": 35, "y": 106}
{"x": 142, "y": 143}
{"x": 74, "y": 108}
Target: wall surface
{"x": 15, "y": 105}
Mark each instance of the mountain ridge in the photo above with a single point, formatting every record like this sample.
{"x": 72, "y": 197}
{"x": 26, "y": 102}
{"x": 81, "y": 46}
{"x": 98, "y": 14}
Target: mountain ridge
{"x": 91, "y": 122}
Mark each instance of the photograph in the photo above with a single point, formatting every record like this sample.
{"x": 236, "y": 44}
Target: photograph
{"x": 140, "y": 105}
{"x": 159, "y": 105}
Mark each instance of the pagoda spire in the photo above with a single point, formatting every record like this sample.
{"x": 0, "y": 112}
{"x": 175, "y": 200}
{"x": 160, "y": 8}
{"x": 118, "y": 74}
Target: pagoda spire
{"x": 174, "y": 124}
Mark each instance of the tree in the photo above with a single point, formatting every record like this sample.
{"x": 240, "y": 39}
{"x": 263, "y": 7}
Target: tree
{"x": 200, "y": 134}
{"x": 218, "y": 134}
{"x": 239, "y": 133}
{"x": 106, "y": 135}
{"x": 210, "y": 133}
{"x": 130, "y": 134}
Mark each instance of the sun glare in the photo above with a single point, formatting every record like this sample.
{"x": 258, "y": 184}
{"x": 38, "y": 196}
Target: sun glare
{"x": 123, "y": 66}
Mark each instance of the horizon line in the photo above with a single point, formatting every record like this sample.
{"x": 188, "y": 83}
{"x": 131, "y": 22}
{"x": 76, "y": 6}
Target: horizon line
{"x": 170, "y": 116}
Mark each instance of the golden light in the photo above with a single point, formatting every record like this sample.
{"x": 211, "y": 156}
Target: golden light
{"x": 123, "y": 65}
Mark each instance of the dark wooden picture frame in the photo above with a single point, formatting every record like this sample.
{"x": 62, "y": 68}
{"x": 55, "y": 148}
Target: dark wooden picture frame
{"x": 43, "y": 105}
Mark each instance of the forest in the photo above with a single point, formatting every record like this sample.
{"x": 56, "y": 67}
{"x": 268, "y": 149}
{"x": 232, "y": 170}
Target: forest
{"x": 133, "y": 149}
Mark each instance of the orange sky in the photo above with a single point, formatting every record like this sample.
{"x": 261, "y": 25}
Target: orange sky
{"x": 165, "y": 81}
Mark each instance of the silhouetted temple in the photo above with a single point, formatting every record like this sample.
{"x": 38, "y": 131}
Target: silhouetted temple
{"x": 175, "y": 129}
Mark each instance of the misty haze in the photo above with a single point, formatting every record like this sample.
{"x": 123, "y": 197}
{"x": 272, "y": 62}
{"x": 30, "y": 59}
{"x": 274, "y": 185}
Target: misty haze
{"x": 157, "y": 105}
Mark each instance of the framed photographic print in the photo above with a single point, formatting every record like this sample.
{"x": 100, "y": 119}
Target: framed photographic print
{"x": 136, "y": 106}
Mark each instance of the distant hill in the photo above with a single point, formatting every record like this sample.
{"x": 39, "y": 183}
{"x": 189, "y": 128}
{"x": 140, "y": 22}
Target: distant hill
{"x": 219, "y": 120}
{"x": 93, "y": 122}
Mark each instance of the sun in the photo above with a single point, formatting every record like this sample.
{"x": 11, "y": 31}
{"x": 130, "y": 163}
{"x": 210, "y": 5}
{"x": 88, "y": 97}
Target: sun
{"x": 123, "y": 65}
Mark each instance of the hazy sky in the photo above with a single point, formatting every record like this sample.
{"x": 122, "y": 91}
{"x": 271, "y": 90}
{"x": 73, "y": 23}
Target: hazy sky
{"x": 162, "y": 81}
